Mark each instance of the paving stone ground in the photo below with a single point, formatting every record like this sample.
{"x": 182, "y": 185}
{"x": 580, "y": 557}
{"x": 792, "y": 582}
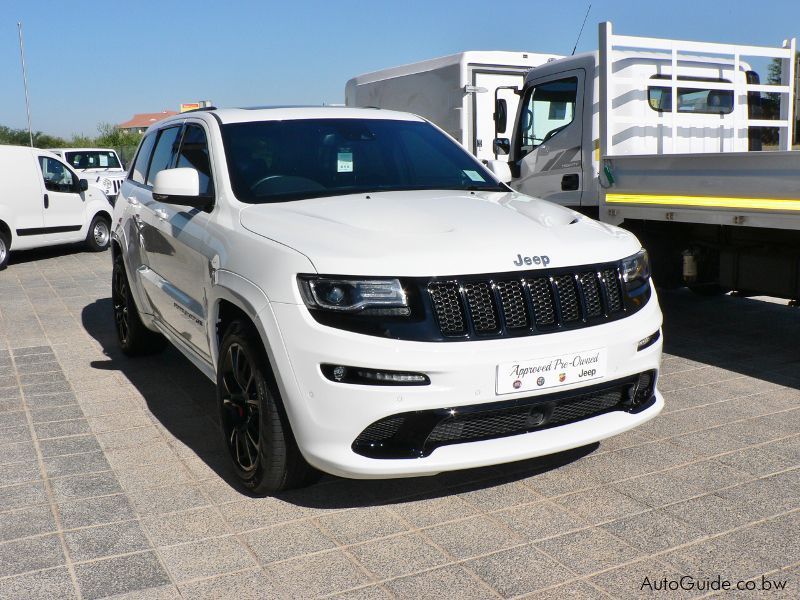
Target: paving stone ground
{"x": 113, "y": 482}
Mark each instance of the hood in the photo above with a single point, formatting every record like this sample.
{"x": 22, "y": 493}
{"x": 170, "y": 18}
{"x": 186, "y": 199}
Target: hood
{"x": 436, "y": 233}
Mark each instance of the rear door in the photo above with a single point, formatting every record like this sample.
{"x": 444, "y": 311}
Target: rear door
{"x": 547, "y": 150}
{"x": 483, "y": 107}
{"x": 63, "y": 203}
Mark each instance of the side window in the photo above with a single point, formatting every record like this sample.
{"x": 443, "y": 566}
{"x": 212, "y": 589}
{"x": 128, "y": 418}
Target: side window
{"x": 139, "y": 170}
{"x": 691, "y": 99}
{"x": 548, "y": 108}
{"x": 164, "y": 153}
{"x": 194, "y": 155}
{"x": 57, "y": 177}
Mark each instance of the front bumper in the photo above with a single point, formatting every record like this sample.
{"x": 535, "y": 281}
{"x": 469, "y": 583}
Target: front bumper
{"x": 327, "y": 417}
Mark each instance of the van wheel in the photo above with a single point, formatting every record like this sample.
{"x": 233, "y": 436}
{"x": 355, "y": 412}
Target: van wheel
{"x": 134, "y": 338}
{"x": 5, "y": 244}
{"x": 99, "y": 235}
{"x": 254, "y": 425}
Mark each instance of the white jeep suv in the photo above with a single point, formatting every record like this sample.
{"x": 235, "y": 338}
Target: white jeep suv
{"x": 371, "y": 301}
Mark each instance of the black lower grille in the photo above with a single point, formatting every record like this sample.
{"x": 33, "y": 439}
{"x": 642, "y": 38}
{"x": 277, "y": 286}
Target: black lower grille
{"x": 504, "y": 305}
{"x": 417, "y": 434}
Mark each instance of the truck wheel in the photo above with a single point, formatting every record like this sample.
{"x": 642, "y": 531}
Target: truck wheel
{"x": 134, "y": 338}
{"x": 5, "y": 244}
{"x": 99, "y": 235}
{"x": 254, "y": 425}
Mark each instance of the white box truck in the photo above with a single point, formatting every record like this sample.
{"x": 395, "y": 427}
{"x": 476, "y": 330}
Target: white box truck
{"x": 598, "y": 132}
{"x": 455, "y": 92}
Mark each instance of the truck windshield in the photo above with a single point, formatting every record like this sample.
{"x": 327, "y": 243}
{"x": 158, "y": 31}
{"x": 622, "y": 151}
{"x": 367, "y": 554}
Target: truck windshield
{"x": 278, "y": 161}
{"x": 93, "y": 159}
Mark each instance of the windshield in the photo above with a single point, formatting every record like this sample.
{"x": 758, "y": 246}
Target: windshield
{"x": 278, "y": 161}
{"x": 93, "y": 159}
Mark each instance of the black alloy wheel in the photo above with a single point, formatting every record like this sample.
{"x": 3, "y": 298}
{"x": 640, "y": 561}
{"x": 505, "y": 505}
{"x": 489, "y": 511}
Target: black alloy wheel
{"x": 133, "y": 336}
{"x": 120, "y": 298}
{"x": 241, "y": 408}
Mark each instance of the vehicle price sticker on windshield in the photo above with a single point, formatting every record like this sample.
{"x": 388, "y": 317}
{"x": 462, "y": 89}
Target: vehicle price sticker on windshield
{"x": 344, "y": 162}
{"x": 552, "y": 371}
{"x": 474, "y": 175}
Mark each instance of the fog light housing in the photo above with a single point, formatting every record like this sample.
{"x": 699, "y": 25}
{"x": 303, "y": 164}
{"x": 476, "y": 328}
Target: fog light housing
{"x": 364, "y": 376}
{"x": 648, "y": 341}
{"x": 644, "y": 388}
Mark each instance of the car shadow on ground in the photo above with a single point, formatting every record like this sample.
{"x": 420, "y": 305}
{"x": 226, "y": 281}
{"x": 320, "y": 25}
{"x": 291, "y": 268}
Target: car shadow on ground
{"x": 749, "y": 336}
{"x": 19, "y": 257}
{"x": 183, "y": 401}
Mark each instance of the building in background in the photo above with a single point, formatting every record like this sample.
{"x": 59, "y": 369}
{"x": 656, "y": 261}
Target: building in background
{"x": 141, "y": 121}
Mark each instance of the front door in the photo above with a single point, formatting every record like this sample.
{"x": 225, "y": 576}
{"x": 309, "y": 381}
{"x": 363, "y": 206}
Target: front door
{"x": 64, "y": 204}
{"x": 548, "y": 139}
{"x": 175, "y": 239}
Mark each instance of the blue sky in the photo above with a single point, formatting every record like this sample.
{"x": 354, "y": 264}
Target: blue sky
{"x": 103, "y": 61}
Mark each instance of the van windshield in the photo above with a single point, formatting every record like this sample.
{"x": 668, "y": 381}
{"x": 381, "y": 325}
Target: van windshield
{"x": 278, "y": 161}
{"x": 92, "y": 159}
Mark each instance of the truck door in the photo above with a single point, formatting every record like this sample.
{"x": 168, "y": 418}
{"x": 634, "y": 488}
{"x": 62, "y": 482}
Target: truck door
{"x": 547, "y": 151}
{"x": 483, "y": 108}
{"x": 64, "y": 204}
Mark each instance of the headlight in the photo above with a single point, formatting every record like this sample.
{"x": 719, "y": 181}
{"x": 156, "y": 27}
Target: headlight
{"x": 636, "y": 270}
{"x": 368, "y": 296}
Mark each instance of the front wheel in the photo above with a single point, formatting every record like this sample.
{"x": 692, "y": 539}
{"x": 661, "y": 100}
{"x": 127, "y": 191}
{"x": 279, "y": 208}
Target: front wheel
{"x": 254, "y": 425}
{"x": 99, "y": 235}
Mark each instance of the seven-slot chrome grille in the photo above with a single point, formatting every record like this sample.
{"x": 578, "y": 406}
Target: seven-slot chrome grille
{"x": 529, "y": 303}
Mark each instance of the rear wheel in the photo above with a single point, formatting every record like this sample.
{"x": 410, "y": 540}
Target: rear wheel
{"x": 254, "y": 425}
{"x": 134, "y": 338}
{"x": 99, "y": 235}
{"x": 5, "y": 243}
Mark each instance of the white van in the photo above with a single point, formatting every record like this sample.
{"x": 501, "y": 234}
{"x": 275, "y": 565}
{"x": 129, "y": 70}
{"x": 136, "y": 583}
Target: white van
{"x": 45, "y": 203}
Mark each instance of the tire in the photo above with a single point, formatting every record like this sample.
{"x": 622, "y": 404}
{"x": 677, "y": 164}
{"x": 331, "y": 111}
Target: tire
{"x": 134, "y": 338}
{"x": 99, "y": 235}
{"x": 5, "y": 252}
{"x": 255, "y": 429}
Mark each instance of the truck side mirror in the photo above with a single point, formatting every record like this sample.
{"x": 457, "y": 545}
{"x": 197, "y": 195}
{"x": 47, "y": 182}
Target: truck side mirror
{"x": 500, "y": 115}
{"x": 502, "y": 146}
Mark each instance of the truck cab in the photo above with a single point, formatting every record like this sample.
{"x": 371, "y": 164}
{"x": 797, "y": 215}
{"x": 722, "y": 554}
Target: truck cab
{"x": 553, "y": 146}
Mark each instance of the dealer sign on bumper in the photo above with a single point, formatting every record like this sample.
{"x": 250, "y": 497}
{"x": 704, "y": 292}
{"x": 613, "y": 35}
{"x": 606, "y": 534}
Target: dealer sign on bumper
{"x": 552, "y": 371}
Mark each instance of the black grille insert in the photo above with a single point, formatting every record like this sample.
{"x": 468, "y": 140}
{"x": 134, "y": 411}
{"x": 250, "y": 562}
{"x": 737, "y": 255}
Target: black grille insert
{"x": 501, "y": 305}
{"x": 446, "y": 298}
{"x": 417, "y": 434}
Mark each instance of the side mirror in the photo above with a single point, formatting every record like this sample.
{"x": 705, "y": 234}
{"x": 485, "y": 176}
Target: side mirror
{"x": 500, "y": 169}
{"x": 500, "y": 115}
{"x": 181, "y": 186}
{"x": 83, "y": 185}
{"x": 502, "y": 145}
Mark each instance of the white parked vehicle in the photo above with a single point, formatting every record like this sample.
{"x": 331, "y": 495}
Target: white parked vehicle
{"x": 457, "y": 92}
{"x": 371, "y": 301}
{"x": 716, "y": 212}
{"x": 100, "y": 166}
{"x": 45, "y": 203}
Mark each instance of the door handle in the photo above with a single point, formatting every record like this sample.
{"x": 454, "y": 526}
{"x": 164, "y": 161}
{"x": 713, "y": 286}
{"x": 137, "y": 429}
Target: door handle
{"x": 570, "y": 183}
{"x": 133, "y": 201}
{"x": 161, "y": 213}
{"x": 46, "y": 201}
